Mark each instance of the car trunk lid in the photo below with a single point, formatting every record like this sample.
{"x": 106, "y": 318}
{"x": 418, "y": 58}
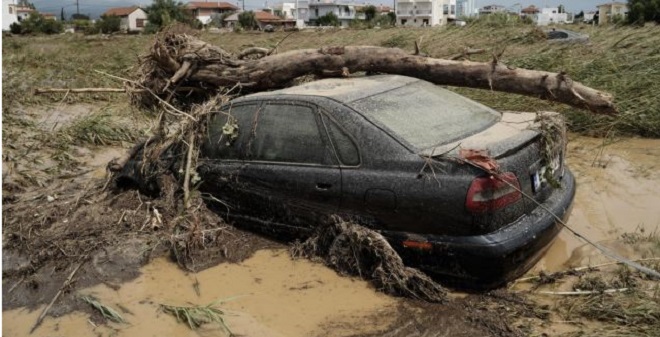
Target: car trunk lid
{"x": 530, "y": 146}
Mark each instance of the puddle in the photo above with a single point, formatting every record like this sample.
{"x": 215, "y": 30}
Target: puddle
{"x": 273, "y": 295}
{"x": 60, "y": 115}
{"x": 617, "y": 193}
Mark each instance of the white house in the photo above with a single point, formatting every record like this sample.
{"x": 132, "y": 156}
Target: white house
{"x": 12, "y": 13}
{"x": 466, "y": 8}
{"x": 551, "y": 15}
{"x": 419, "y": 13}
{"x": 9, "y": 14}
{"x": 490, "y": 9}
{"x": 589, "y": 17}
{"x": 610, "y": 11}
{"x": 298, "y": 11}
{"x": 345, "y": 12}
{"x": 132, "y": 18}
{"x": 205, "y": 11}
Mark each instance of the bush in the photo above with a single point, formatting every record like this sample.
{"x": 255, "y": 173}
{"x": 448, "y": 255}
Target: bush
{"x": 15, "y": 28}
{"x": 162, "y": 13}
{"x": 641, "y": 11}
{"x": 329, "y": 19}
{"x": 247, "y": 20}
{"x": 108, "y": 24}
{"x": 36, "y": 23}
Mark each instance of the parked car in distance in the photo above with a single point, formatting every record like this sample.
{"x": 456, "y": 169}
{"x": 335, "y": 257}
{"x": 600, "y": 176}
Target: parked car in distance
{"x": 380, "y": 151}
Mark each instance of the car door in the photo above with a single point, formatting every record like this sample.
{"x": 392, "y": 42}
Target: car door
{"x": 291, "y": 174}
{"x": 222, "y": 157}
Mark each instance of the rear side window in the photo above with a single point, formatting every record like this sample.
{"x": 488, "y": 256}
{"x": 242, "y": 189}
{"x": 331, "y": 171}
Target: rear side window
{"x": 346, "y": 150}
{"x": 289, "y": 133}
{"x": 229, "y": 132}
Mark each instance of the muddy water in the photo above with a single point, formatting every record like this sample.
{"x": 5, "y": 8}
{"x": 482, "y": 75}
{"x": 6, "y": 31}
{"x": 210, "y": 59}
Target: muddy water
{"x": 275, "y": 296}
{"x": 617, "y": 193}
{"x": 268, "y": 295}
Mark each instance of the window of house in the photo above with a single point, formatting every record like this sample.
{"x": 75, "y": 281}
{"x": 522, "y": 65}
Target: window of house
{"x": 11, "y": 10}
{"x": 345, "y": 148}
{"x": 404, "y": 21}
{"x": 445, "y": 9}
{"x": 139, "y": 23}
{"x": 288, "y": 133}
{"x": 229, "y": 132}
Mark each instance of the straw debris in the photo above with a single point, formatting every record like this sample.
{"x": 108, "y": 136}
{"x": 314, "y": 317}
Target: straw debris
{"x": 355, "y": 250}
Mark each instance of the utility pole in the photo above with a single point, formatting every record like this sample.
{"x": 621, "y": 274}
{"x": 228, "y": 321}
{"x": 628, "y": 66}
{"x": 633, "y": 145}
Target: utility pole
{"x": 78, "y": 7}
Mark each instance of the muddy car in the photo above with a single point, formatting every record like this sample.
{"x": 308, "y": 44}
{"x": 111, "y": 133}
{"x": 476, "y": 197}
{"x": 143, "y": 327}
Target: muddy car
{"x": 385, "y": 151}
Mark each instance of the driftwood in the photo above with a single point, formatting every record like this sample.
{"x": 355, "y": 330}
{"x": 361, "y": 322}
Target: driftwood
{"x": 180, "y": 59}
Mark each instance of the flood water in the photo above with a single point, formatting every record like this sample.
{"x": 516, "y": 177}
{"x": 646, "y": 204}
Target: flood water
{"x": 617, "y": 193}
{"x": 272, "y": 295}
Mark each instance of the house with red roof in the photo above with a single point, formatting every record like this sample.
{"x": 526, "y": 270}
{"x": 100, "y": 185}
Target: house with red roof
{"x": 205, "y": 11}
{"x": 263, "y": 19}
{"x": 132, "y": 18}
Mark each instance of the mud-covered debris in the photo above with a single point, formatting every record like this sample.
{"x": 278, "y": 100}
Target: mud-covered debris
{"x": 356, "y": 250}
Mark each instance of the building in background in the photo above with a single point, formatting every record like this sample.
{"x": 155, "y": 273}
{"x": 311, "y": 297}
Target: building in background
{"x": 549, "y": 16}
{"x": 205, "y": 11}
{"x": 421, "y": 13}
{"x": 466, "y": 8}
{"x": 611, "y": 12}
{"x": 491, "y": 9}
{"x": 345, "y": 12}
{"x": 298, "y": 11}
{"x": 132, "y": 18}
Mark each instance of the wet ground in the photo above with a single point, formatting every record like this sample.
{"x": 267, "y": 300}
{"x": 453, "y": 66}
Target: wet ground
{"x": 271, "y": 295}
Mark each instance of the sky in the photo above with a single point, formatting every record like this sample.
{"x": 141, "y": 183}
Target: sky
{"x": 96, "y": 7}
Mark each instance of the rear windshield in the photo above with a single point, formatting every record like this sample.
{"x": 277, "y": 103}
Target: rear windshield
{"x": 426, "y": 115}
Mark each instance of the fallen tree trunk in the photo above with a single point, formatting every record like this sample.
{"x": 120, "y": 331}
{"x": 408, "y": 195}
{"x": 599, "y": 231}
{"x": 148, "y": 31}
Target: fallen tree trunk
{"x": 211, "y": 67}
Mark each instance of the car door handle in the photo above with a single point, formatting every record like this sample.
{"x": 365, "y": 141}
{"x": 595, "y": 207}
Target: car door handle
{"x": 323, "y": 186}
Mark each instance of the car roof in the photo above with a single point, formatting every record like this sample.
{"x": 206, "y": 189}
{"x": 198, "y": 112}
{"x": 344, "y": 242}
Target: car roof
{"x": 343, "y": 89}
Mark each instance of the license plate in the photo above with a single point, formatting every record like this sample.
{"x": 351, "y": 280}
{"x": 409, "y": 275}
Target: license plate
{"x": 538, "y": 178}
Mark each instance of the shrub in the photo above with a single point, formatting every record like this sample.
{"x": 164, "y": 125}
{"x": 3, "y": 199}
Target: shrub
{"x": 329, "y": 19}
{"x": 108, "y": 24}
{"x": 247, "y": 20}
{"x": 15, "y": 28}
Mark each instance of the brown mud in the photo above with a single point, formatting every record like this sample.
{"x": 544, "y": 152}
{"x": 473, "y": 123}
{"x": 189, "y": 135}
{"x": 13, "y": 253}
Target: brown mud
{"x": 118, "y": 238}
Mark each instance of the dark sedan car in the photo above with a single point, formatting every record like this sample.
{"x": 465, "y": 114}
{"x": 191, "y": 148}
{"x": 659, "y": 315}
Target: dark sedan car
{"x": 378, "y": 150}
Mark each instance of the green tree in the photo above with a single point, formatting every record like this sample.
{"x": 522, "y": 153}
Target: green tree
{"x": 164, "y": 12}
{"x": 36, "y": 23}
{"x": 329, "y": 19}
{"x": 641, "y": 11}
{"x": 385, "y": 20}
{"x": 78, "y": 16}
{"x": 247, "y": 20}
{"x": 370, "y": 12}
{"x": 108, "y": 24}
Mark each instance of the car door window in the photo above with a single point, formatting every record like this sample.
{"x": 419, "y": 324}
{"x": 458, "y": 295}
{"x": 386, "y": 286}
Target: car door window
{"x": 289, "y": 133}
{"x": 228, "y": 132}
{"x": 344, "y": 146}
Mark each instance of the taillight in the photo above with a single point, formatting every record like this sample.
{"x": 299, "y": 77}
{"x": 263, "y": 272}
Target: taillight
{"x": 487, "y": 194}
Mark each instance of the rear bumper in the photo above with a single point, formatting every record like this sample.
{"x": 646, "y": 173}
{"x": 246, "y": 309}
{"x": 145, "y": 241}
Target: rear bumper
{"x": 490, "y": 260}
